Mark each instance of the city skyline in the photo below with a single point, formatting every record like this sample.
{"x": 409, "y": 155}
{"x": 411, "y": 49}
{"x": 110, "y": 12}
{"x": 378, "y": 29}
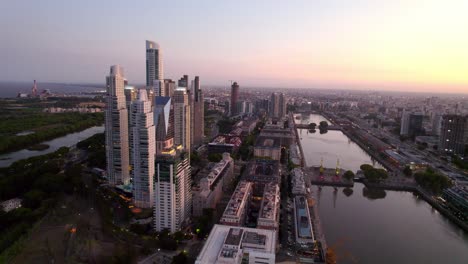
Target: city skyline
{"x": 417, "y": 46}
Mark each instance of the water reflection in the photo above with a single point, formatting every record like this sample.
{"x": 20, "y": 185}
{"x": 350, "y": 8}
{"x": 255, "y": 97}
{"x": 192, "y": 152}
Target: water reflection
{"x": 373, "y": 194}
{"x": 348, "y": 191}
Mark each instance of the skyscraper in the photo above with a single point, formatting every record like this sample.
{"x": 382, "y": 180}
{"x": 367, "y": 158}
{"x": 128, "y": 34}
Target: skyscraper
{"x": 411, "y": 124}
{"x": 277, "y": 105}
{"x": 454, "y": 134}
{"x": 182, "y": 118}
{"x": 154, "y": 65}
{"x": 173, "y": 196}
{"x": 143, "y": 150}
{"x": 164, "y": 122}
{"x": 198, "y": 113}
{"x": 116, "y": 128}
{"x": 234, "y": 98}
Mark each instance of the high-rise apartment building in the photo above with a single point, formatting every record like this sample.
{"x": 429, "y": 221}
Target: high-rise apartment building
{"x": 173, "y": 197}
{"x": 143, "y": 150}
{"x": 198, "y": 113}
{"x": 454, "y": 134}
{"x": 234, "y": 98}
{"x": 169, "y": 88}
{"x": 154, "y": 65}
{"x": 411, "y": 124}
{"x": 116, "y": 128}
{"x": 277, "y": 105}
{"x": 182, "y": 118}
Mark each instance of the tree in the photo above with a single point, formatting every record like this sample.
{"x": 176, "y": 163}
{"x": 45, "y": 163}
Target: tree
{"x": 433, "y": 181}
{"x": 215, "y": 157}
{"x": 312, "y": 125}
{"x": 407, "y": 171}
{"x": 323, "y": 124}
{"x": 348, "y": 175}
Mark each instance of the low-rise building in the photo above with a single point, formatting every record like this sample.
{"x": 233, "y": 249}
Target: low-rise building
{"x": 269, "y": 211}
{"x": 266, "y": 147}
{"x": 236, "y": 209}
{"x": 208, "y": 192}
{"x": 235, "y": 245}
{"x": 297, "y": 182}
{"x": 303, "y": 225}
{"x": 262, "y": 172}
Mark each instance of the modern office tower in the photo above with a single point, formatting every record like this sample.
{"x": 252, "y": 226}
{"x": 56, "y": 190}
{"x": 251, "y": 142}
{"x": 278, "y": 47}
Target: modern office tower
{"x": 234, "y": 98}
{"x": 454, "y": 134}
{"x": 182, "y": 117}
{"x": 411, "y": 124}
{"x": 184, "y": 82}
{"x": 117, "y": 155}
{"x": 143, "y": 150}
{"x": 436, "y": 124}
{"x": 169, "y": 88}
{"x": 164, "y": 122}
{"x": 173, "y": 195}
{"x": 198, "y": 113}
{"x": 277, "y": 105}
{"x": 227, "y": 108}
{"x": 154, "y": 64}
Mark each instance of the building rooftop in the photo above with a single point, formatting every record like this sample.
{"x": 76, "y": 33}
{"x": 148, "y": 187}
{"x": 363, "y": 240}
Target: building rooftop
{"x": 270, "y": 200}
{"x": 227, "y": 244}
{"x": 238, "y": 199}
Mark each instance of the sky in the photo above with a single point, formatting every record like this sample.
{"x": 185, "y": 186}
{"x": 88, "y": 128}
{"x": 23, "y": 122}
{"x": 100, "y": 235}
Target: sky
{"x": 410, "y": 45}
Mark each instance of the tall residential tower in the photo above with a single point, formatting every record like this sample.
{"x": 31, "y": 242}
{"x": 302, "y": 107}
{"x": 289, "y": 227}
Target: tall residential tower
{"x": 116, "y": 131}
{"x": 143, "y": 150}
{"x": 154, "y": 64}
{"x": 234, "y": 98}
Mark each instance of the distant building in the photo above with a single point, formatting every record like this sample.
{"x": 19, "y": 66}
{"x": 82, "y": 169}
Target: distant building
{"x": 277, "y": 105}
{"x": 454, "y": 134}
{"x": 266, "y": 147}
{"x": 234, "y": 98}
{"x": 208, "y": 192}
{"x": 236, "y": 209}
{"x": 198, "y": 113}
{"x": 11, "y": 204}
{"x": 436, "y": 124}
{"x": 236, "y": 245}
{"x": 143, "y": 150}
{"x": 411, "y": 124}
{"x": 182, "y": 118}
{"x": 154, "y": 63}
{"x": 116, "y": 128}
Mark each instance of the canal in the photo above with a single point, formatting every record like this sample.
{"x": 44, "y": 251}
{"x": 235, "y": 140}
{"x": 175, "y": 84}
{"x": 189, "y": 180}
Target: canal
{"x": 383, "y": 227}
{"x": 65, "y": 141}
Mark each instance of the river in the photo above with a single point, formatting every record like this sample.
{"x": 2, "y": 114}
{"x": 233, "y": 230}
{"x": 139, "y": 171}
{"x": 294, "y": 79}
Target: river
{"x": 54, "y": 144}
{"x": 399, "y": 228}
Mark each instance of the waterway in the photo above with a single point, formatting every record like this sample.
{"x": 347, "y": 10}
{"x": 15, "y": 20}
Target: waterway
{"x": 398, "y": 227}
{"x": 65, "y": 141}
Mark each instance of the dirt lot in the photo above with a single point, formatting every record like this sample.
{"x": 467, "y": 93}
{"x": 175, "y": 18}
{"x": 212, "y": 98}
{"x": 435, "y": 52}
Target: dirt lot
{"x": 70, "y": 233}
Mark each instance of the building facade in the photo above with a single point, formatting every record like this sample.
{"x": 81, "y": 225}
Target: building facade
{"x": 143, "y": 150}
{"x": 116, "y": 128}
{"x": 173, "y": 197}
{"x": 198, "y": 113}
{"x": 182, "y": 117}
{"x": 234, "y": 98}
{"x": 454, "y": 135}
{"x": 154, "y": 63}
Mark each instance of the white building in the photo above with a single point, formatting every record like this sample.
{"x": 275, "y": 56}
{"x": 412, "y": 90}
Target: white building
{"x": 173, "y": 197}
{"x": 269, "y": 211}
{"x": 154, "y": 63}
{"x": 143, "y": 150}
{"x": 235, "y": 245}
{"x": 297, "y": 182}
{"x": 210, "y": 188}
{"x": 236, "y": 209}
{"x": 182, "y": 131}
{"x": 117, "y": 154}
